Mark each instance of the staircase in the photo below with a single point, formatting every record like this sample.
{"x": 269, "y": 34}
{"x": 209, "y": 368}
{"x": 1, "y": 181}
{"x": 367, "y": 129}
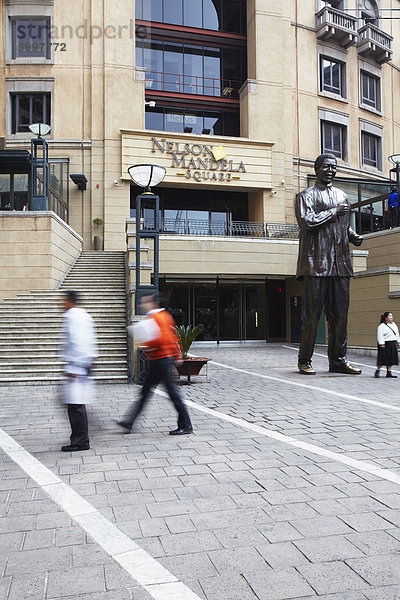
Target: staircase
{"x": 30, "y": 324}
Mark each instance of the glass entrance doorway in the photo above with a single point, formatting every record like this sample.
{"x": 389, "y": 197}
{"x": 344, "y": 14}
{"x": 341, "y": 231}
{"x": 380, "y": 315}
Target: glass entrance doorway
{"x": 229, "y": 310}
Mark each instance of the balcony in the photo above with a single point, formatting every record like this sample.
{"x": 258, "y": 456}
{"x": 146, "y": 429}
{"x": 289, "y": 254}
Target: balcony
{"x": 374, "y": 43}
{"x": 228, "y": 89}
{"x": 333, "y": 24}
{"x": 248, "y": 229}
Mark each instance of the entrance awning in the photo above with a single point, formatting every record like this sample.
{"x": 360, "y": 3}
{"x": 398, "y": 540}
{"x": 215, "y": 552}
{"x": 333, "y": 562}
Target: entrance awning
{"x": 15, "y": 161}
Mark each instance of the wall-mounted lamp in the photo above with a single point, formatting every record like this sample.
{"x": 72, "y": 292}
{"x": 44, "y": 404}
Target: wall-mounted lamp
{"x": 80, "y": 180}
{"x": 151, "y": 103}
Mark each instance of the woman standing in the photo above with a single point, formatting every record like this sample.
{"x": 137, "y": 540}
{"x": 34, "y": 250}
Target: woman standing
{"x": 388, "y": 342}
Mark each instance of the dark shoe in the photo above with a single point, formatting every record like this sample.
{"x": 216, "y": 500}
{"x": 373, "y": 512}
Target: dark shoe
{"x": 306, "y": 369}
{"x": 181, "y": 431}
{"x": 345, "y": 368}
{"x": 390, "y": 374}
{"x": 72, "y": 448}
{"x": 377, "y": 374}
{"x": 125, "y": 425}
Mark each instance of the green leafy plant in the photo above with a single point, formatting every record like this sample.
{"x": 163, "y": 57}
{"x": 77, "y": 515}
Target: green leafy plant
{"x": 187, "y": 335}
{"x": 97, "y": 221}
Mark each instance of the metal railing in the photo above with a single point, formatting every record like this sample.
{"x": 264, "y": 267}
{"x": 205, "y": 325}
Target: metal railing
{"x": 192, "y": 84}
{"x": 229, "y": 229}
{"x": 336, "y": 18}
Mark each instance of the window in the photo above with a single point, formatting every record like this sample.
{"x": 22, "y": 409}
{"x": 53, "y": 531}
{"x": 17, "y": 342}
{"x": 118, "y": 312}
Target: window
{"x": 193, "y": 121}
{"x": 30, "y": 37}
{"x": 338, "y": 4}
{"x": 370, "y": 90}
{"x": 332, "y": 76}
{"x": 333, "y": 139}
{"x": 191, "y": 69}
{"x": 216, "y": 15}
{"x": 371, "y": 150}
{"x": 29, "y": 108}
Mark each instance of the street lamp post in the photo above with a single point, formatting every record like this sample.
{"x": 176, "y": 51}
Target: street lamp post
{"x": 39, "y": 167}
{"x": 147, "y": 176}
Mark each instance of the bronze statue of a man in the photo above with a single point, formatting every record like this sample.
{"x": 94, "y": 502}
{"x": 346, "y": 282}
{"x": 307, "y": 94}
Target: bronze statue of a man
{"x": 324, "y": 265}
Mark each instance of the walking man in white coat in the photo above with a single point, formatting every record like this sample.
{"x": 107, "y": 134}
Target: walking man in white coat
{"x": 78, "y": 350}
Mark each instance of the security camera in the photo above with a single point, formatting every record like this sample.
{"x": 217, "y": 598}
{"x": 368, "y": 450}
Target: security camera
{"x": 116, "y": 181}
{"x": 118, "y": 184}
{"x": 273, "y": 192}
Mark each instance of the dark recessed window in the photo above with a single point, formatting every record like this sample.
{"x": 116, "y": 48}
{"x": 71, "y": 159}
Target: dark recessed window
{"x": 332, "y": 76}
{"x": 30, "y": 37}
{"x": 192, "y": 69}
{"x": 198, "y": 121}
{"x": 371, "y": 150}
{"x": 333, "y": 139}
{"x": 29, "y": 108}
{"x": 216, "y": 15}
{"x": 370, "y": 90}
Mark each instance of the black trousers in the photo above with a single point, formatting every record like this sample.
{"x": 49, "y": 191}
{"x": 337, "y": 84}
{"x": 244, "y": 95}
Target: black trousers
{"x": 79, "y": 424}
{"x": 160, "y": 371}
{"x": 332, "y": 293}
{"x": 394, "y": 216}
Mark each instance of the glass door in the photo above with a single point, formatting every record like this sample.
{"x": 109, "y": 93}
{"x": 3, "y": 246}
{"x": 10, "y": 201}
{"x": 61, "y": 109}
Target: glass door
{"x": 205, "y": 309}
{"x": 230, "y": 311}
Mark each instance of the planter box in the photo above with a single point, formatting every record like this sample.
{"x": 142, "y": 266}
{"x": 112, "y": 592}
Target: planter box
{"x": 192, "y": 366}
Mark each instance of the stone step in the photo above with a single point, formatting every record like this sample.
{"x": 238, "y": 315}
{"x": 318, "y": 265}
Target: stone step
{"x": 11, "y": 355}
{"x": 56, "y": 368}
{"x": 10, "y": 381}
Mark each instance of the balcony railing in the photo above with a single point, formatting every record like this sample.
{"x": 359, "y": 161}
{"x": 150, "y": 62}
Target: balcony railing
{"x": 192, "y": 84}
{"x": 249, "y": 229}
{"x": 333, "y": 23}
{"x": 375, "y": 43}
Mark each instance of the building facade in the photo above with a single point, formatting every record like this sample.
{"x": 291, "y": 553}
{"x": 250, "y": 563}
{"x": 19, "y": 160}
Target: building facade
{"x": 236, "y": 99}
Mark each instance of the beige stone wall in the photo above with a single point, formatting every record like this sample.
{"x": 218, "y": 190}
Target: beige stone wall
{"x": 383, "y": 247}
{"x": 213, "y": 256}
{"x": 369, "y": 299}
{"x": 36, "y": 250}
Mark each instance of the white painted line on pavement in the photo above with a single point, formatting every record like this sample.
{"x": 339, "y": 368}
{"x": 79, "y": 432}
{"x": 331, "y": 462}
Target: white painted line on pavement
{"x": 153, "y": 577}
{"x": 314, "y": 388}
{"x": 286, "y": 439}
{"x": 324, "y": 356}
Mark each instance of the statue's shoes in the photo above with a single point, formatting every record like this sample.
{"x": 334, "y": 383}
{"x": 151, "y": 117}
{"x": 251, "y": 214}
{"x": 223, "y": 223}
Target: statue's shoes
{"x": 345, "y": 368}
{"x": 306, "y": 369}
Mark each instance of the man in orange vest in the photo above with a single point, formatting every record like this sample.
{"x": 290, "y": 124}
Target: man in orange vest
{"x": 163, "y": 349}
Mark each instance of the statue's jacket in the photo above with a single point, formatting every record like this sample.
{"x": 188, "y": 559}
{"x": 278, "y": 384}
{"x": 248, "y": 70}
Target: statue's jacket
{"x": 324, "y": 235}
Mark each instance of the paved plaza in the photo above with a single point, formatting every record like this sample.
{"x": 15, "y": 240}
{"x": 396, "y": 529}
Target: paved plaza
{"x": 289, "y": 489}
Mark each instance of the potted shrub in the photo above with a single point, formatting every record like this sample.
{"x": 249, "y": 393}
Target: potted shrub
{"x": 98, "y": 239}
{"x": 191, "y": 365}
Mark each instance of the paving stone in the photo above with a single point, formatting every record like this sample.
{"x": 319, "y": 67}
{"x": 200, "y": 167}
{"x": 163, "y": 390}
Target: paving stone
{"x": 331, "y": 577}
{"x": 279, "y": 532}
{"x": 321, "y": 526}
{"x": 279, "y": 584}
{"x": 378, "y": 570}
{"x": 330, "y": 548}
{"x": 193, "y": 566}
{"x": 27, "y": 587}
{"x": 375, "y": 542}
{"x": 281, "y": 555}
{"x": 182, "y": 543}
{"x": 11, "y": 541}
{"x": 227, "y": 588}
{"x": 5, "y": 583}
{"x": 39, "y": 539}
{"x": 75, "y": 581}
{"x": 238, "y": 560}
{"x": 384, "y": 593}
{"x": 366, "y": 522}
{"x": 31, "y": 561}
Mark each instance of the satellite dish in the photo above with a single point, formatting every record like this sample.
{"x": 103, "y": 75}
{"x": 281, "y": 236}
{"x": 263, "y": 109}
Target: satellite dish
{"x": 39, "y": 129}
